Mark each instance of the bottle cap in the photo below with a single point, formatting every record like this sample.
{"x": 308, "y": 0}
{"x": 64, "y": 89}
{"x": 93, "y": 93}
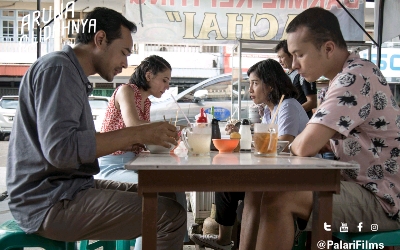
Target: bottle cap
{"x": 245, "y": 122}
{"x": 202, "y": 118}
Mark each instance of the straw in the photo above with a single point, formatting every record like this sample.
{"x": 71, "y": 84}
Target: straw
{"x": 181, "y": 110}
{"x": 176, "y": 117}
{"x": 273, "y": 121}
{"x": 277, "y": 109}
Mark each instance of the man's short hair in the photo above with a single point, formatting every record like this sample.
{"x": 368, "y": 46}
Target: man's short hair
{"x": 322, "y": 25}
{"x": 108, "y": 20}
{"x": 282, "y": 45}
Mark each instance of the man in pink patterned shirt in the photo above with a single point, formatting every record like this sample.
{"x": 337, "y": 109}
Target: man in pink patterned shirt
{"x": 361, "y": 120}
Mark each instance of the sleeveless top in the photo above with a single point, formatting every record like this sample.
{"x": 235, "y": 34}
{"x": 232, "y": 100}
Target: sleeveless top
{"x": 113, "y": 118}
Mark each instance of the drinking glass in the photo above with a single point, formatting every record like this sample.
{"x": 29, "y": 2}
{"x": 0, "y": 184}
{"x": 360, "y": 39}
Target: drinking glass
{"x": 265, "y": 139}
{"x": 197, "y": 138}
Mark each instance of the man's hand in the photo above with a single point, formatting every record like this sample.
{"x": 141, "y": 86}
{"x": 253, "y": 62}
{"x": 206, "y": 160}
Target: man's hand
{"x": 135, "y": 147}
{"x": 160, "y": 133}
{"x": 157, "y": 133}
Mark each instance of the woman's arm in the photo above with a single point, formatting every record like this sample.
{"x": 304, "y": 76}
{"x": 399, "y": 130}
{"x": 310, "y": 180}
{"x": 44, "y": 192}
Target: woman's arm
{"x": 126, "y": 103}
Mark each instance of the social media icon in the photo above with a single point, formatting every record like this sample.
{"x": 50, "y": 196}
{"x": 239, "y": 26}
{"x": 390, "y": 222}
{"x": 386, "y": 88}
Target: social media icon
{"x": 374, "y": 227}
{"x": 327, "y": 227}
{"x": 344, "y": 228}
{"x": 360, "y": 226}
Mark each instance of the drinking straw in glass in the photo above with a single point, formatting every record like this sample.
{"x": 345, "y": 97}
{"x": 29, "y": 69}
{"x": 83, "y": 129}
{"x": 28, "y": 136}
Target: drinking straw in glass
{"x": 179, "y": 107}
{"x": 176, "y": 117}
{"x": 273, "y": 120}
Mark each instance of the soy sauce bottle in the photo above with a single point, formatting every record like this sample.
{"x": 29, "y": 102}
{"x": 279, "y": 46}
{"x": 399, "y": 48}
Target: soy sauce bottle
{"x": 215, "y": 133}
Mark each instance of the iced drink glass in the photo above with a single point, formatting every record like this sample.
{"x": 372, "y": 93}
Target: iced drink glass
{"x": 265, "y": 139}
{"x": 197, "y": 138}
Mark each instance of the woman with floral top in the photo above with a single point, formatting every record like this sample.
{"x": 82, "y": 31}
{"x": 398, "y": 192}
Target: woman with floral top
{"x": 130, "y": 106}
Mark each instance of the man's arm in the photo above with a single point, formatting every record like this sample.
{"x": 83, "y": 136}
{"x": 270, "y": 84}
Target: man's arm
{"x": 311, "y": 140}
{"x": 158, "y": 133}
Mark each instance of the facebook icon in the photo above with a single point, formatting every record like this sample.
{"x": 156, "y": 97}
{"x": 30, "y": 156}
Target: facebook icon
{"x": 360, "y": 226}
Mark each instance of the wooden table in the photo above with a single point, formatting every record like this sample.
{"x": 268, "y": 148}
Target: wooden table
{"x": 237, "y": 172}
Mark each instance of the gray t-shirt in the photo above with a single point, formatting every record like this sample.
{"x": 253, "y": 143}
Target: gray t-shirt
{"x": 291, "y": 118}
{"x": 52, "y": 149}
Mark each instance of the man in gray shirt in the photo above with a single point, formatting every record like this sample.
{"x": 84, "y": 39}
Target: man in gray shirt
{"x": 54, "y": 147}
{"x": 307, "y": 92}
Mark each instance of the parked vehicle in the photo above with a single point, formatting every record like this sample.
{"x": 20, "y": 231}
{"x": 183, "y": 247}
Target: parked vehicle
{"x": 213, "y": 92}
{"x": 98, "y": 105}
{"x": 9, "y": 104}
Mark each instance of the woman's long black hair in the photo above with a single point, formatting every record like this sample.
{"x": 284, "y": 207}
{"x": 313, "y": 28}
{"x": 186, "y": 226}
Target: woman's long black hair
{"x": 272, "y": 74}
{"x": 153, "y": 64}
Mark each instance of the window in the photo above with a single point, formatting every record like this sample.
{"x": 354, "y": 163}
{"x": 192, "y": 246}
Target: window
{"x": 98, "y": 103}
{"x": 7, "y": 25}
{"x": 8, "y": 31}
{"x": 8, "y": 13}
{"x": 9, "y": 103}
{"x": 210, "y": 49}
{"x": 171, "y": 48}
{"x": 216, "y": 92}
{"x": 11, "y": 25}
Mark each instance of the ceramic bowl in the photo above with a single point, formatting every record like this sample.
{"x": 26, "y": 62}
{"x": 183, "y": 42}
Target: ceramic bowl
{"x": 156, "y": 149}
{"x": 226, "y": 145}
{"x": 281, "y": 146}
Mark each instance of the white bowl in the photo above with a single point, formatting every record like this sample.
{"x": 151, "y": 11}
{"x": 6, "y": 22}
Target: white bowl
{"x": 156, "y": 149}
{"x": 281, "y": 146}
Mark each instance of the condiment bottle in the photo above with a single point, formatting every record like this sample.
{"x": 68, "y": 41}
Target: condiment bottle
{"x": 245, "y": 132}
{"x": 202, "y": 118}
{"x": 215, "y": 133}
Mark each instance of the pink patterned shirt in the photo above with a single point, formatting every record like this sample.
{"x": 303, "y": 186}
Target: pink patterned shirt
{"x": 361, "y": 108}
{"x": 113, "y": 118}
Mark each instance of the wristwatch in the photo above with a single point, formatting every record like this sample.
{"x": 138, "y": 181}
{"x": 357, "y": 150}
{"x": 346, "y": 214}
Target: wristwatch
{"x": 290, "y": 149}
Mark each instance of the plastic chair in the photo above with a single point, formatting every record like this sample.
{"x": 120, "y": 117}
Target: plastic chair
{"x": 107, "y": 245}
{"x": 300, "y": 242}
{"x": 12, "y": 237}
{"x": 389, "y": 238}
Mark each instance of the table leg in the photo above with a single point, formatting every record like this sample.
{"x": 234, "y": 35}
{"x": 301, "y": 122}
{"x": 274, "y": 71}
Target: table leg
{"x": 149, "y": 221}
{"x": 322, "y": 212}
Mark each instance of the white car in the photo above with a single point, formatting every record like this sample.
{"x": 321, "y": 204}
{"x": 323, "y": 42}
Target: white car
{"x": 99, "y": 106}
{"x": 213, "y": 92}
{"x": 9, "y": 104}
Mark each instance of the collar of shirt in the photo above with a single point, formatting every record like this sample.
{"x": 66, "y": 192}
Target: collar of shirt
{"x": 71, "y": 55}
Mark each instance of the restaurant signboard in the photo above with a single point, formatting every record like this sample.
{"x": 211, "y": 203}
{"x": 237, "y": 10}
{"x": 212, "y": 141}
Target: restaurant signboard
{"x": 224, "y": 21}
